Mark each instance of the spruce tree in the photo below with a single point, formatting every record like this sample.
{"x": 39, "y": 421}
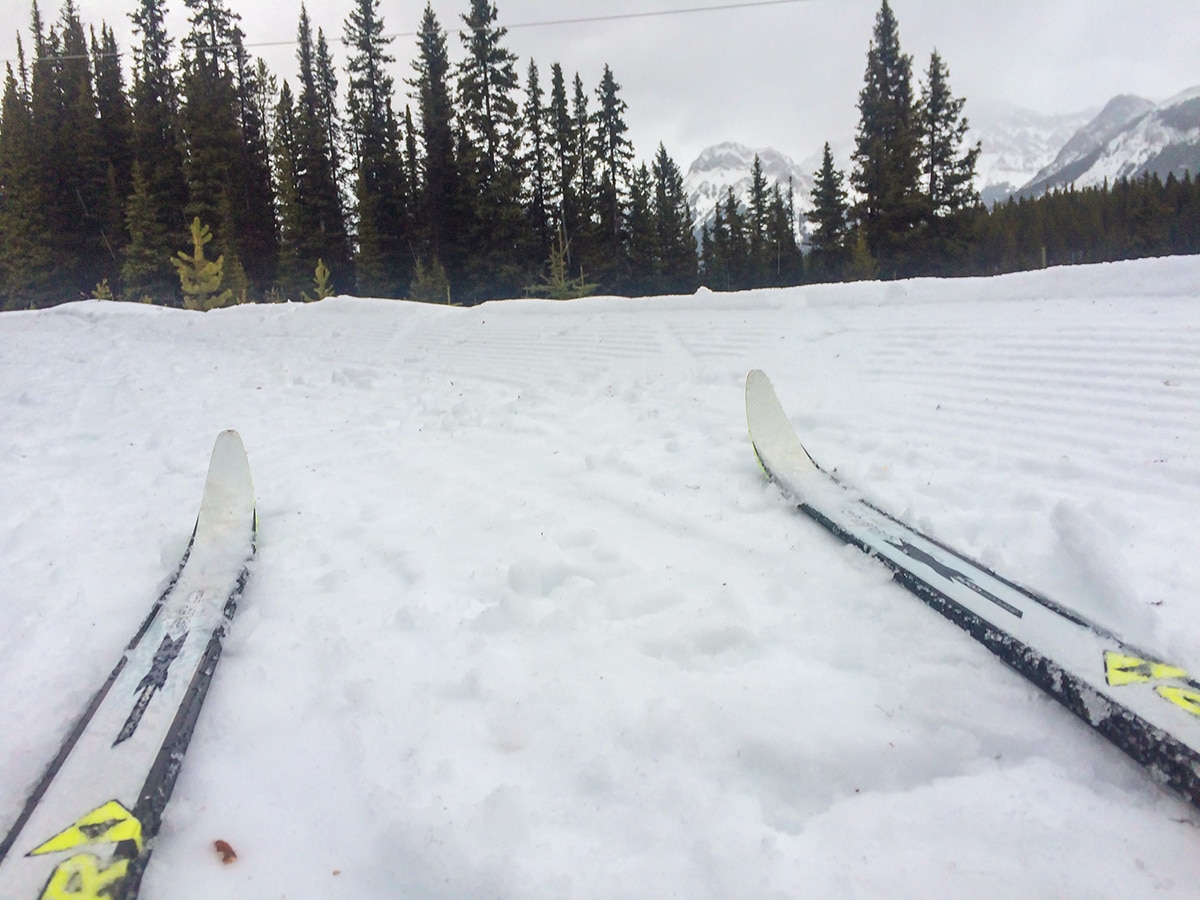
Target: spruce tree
{"x": 756, "y": 226}
{"x": 558, "y": 284}
{"x": 212, "y": 134}
{"x": 642, "y": 252}
{"x": 736, "y": 251}
{"x": 253, "y": 190}
{"x": 585, "y": 242}
{"x": 326, "y": 83}
{"x": 948, "y": 169}
{"x": 285, "y": 156}
{"x": 440, "y": 191}
{"x": 676, "y": 242}
{"x": 73, "y": 172}
{"x": 25, "y": 258}
{"x": 830, "y": 238}
{"x": 565, "y": 159}
{"x": 325, "y": 236}
{"x": 156, "y": 219}
{"x": 200, "y": 278}
{"x": 115, "y": 130}
{"x": 380, "y": 185}
{"x": 412, "y": 175}
{"x": 614, "y": 154}
{"x": 784, "y": 263}
{"x": 887, "y": 170}
{"x": 491, "y": 126}
{"x": 538, "y": 167}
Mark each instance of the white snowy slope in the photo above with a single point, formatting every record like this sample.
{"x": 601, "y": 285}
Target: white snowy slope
{"x": 528, "y": 621}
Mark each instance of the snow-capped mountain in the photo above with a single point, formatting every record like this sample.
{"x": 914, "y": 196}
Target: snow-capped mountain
{"x": 727, "y": 165}
{"x": 1152, "y": 139}
{"x": 1017, "y": 143}
{"x": 1023, "y": 152}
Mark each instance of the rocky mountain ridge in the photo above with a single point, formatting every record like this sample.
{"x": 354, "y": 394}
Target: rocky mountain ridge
{"x": 1023, "y": 152}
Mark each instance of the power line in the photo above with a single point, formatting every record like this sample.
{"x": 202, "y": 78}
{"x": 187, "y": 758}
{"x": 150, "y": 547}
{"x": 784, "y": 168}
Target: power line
{"x": 615, "y": 17}
{"x": 541, "y": 23}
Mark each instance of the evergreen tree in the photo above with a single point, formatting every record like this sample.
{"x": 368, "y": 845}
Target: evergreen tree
{"x": 155, "y": 213}
{"x": 538, "y": 167}
{"x": 326, "y": 83}
{"x": 412, "y": 179}
{"x": 25, "y": 260}
{"x": 323, "y": 218}
{"x": 439, "y": 200}
{"x": 430, "y": 283}
{"x": 285, "y": 155}
{"x": 80, "y": 203}
{"x": 726, "y": 249}
{"x": 584, "y": 189}
{"x": 211, "y": 130}
{"x": 558, "y": 284}
{"x": 253, "y": 194}
{"x": 948, "y": 169}
{"x": 887, "y": 168}
{"x": 381, "y": 189}
{"x": 642, "y": 251}
{"x": 200, "y": 278}
{"x": 784, "y": 263}
{"x": 491, "y": 126}
{"x": 115, "y": 128}
{"x": 830, "y": 239}
{"x": 676, "y": 271}
{"x": 564, "y": 155}
{"x": 756, "y": 226}
{"x": 614, "y": 154}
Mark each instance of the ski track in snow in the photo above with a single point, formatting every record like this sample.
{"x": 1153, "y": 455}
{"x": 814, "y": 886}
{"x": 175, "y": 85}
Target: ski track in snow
{"x": 526, "y": 620}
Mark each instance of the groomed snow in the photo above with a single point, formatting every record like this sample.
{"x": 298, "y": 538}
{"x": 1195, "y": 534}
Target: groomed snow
{"x": 527, "y": 620}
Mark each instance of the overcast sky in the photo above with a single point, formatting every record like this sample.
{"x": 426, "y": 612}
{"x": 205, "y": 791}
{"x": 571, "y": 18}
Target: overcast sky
{"x": 785, "y": 76}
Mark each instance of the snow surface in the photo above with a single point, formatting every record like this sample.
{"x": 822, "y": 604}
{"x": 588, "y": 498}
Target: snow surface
{"x": 527, "y": 620}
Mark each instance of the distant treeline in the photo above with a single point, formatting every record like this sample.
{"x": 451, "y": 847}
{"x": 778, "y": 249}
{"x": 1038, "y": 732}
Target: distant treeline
{"x": 206, "y": 180}
{"x": 1130, "y": 219}
{"x": 915, "y": 210}
{"x": 476, "y": 184}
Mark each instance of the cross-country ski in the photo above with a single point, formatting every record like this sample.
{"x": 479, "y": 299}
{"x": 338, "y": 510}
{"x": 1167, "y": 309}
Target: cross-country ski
{"x": 1146, "y": 706}
{"x": 86, "y": 831}
{"x": 526, "y": 619}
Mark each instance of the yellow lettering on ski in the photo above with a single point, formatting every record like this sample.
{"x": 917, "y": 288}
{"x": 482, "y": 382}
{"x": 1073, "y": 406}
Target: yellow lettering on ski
{"x": 107, "y": 824}
{"x": 1120, "y": 669}
{"x": 1183, "y": 697}
{"x": 81, "y": 878}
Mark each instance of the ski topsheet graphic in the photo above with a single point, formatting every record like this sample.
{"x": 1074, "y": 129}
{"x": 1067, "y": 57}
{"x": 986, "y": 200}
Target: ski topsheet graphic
{"x": 86, "y": 828}
{"x": 1143, "y": 704}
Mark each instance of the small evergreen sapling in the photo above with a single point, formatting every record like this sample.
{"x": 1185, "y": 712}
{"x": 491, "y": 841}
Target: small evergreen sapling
{"x": 321, "y": 283}
{"x": 200, "y": 278}
{"x": 558, "y": 285}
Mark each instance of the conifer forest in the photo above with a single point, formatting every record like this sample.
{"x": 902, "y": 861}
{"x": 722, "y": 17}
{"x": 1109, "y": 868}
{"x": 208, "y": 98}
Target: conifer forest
{"x": 182, "y": 171}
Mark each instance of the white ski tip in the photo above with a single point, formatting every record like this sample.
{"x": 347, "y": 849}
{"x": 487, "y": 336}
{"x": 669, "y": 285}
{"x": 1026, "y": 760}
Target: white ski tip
{"x": 775, "y": 441}
{"x": 228, "y": 490}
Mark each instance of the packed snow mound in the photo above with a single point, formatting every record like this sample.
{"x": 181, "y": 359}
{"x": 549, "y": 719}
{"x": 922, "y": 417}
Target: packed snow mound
{"x": 527, "y": 620}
